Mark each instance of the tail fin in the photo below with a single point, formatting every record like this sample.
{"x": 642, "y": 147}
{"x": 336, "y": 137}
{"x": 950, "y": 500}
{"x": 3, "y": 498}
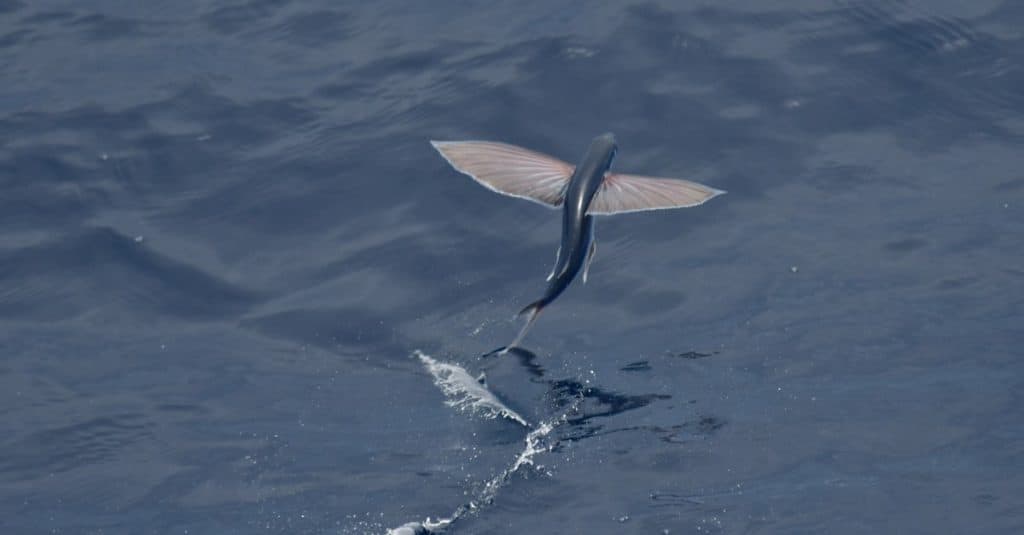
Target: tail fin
{"x": 532, "y": 309}
{"x": 531, "y": 312}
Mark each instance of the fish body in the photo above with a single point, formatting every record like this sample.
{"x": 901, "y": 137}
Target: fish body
{"x": 581, "y": 192}
{"x": 578, "y": 226}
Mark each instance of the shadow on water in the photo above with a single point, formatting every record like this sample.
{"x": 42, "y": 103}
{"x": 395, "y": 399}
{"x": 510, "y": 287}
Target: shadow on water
{"x": 692, "y": 355}
{"x": 573, "y": 406}
{"x": 595, "y": 401}
{"x": 589, "y": 402}
{"x": 527, "y": 359}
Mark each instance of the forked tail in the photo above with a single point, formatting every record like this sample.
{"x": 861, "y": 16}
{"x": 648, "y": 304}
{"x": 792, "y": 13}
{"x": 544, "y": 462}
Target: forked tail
{"x": 531, "y": 311}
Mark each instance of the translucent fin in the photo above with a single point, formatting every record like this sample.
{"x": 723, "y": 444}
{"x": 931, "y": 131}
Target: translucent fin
{"x": 533, "y": 310}
{"x": 630, "y": 193}
{"x": 590, "y": 259}
{"x": 509, "y": 170}
{"x": 591, "y": 249}
{"x": 554, "y": 267}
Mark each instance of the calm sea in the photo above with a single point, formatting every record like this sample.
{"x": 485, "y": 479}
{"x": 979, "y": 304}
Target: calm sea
{"x": 241, "y": 294}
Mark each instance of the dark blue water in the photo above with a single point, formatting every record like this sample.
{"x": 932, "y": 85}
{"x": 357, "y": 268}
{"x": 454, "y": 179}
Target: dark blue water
{"x": 223, "y": 234}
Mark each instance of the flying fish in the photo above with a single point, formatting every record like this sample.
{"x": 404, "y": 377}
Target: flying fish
{"x": 581, "y": 192}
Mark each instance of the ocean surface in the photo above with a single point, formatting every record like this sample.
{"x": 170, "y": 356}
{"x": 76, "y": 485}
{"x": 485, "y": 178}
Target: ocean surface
{"x": 241, "y": 294}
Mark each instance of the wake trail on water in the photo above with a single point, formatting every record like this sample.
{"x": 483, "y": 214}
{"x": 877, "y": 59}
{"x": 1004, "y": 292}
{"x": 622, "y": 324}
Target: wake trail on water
{"x": 466, "y": 393}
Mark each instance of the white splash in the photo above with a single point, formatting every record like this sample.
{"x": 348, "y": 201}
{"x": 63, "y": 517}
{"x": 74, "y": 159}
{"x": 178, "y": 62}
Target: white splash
{"x": 427, "y": 527}
{"x": 535, "y": 443}
{"x": 466, "y": 393}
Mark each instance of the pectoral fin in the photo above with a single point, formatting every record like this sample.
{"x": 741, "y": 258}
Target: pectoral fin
{"x": 509, "y": 170}
{"x": 622, "y": 193}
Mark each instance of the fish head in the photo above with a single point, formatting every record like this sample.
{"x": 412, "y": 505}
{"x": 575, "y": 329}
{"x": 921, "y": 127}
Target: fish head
{"x": 605, "y": 144}
{"x": 595, "y": 165}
